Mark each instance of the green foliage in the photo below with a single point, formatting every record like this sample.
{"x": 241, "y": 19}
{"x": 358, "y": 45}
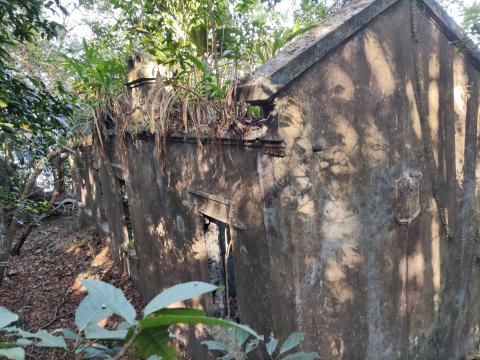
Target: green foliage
{"x": 6, "y": 317}
{"x": 206, "y": 45}
{"x": 11, "y": 352}
{"x": 238, "y": 344}
{"x": 280, "y": 38}
{"x": 311, "y": 11}
{"x": 22, "y": 20}
{"x": 106, "y": 296}
{"x": 34, "y": 117}
{"x": 177, "y": 293}
{"x": 149, "y": 335}
{"x": 98, "y": 72}
{"x": 471, "y": 19}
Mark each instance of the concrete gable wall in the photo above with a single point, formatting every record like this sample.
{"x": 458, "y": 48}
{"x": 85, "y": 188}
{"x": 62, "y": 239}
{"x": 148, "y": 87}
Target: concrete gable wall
{"x": 357, "y": 107}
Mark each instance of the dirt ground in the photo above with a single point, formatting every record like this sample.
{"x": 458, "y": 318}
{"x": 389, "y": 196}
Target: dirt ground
{"x": 43, "y": 283}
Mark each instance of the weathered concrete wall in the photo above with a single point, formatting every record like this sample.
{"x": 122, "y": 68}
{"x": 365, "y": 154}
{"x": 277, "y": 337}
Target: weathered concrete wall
{"x": 95, "y": 180}
{"x": 168, "y": 196}
{"x": 86, "y": 186}
{"x": 316, "y": 245}
{"x": 365, "y": 287}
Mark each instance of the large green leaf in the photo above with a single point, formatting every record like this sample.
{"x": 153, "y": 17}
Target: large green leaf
{"x": 99, "y": 333}
{"x": 95, "y": 351}
{"x": 49, "y": 340}
{"x": 180, "y": 311}
{"x": 69, "y": 334}
{"x": 292, "y": 341}
{"x": 14, "y": 353}
{"x": 241, "y": 336}
{"x": 167, "y": 318}
{"x": 90, "y": 312}
{"x": 46, "y": 339}
{"x": 200, "y": 64}
{"x": 112, "y": 298}
{"x": 271, "y": 345}
{"x": 7, "y": 317}
{"x": 155, "y": 341}
{"x": 301, "y": 356}
{"x": 20, "y": 332}
{"x": 23, "y": 342}
{"x": 215, "y": 345}
{"x": 176, "y": 294}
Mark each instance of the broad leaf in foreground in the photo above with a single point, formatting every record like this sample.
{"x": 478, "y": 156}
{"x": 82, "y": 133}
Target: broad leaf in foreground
{"x": 177, "y": 293}
{"x": 271, "y": 345}
{"x": 49, "y": 340}
{"x": 112, "y": 298}
{"x": 301, "y": 356}
{"x": 292, "y": 341}
{"x": 155, "y": 341}
{"x": 7, "y": 317}
{"x": 14, "y": 353}
{"x": 46, "y": 339}
{"x": 98, "y": 333}
{"x": 90, "y": 312}
{"x": 215, "y": 345}
{"x": 167, "y": 317}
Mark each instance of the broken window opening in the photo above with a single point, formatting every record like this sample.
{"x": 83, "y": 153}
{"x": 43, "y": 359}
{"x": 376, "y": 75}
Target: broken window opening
{"x": 221, "y": 267}
{"x": 126, "y": 209}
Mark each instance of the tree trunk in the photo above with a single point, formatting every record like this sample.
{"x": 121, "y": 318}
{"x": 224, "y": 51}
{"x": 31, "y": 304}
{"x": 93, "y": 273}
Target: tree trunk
{"x": 6, "y": 245}
{"x": 59, "y": 176}
{"x": 18, "y": 246}
{"x": 3, "y": 239}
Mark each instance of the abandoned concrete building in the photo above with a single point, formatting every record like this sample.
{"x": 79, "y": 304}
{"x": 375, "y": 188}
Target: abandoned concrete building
{"x": 349, "y": 215}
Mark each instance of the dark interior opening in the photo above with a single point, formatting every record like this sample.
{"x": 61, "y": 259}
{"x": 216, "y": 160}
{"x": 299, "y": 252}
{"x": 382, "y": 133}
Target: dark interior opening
{"x": 126, "y": 209}
{"x": 221, "y": 267}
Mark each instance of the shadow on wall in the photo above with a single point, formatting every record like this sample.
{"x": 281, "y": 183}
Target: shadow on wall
{"x": 363, "y": 281}
{"x": 314, "y": 233}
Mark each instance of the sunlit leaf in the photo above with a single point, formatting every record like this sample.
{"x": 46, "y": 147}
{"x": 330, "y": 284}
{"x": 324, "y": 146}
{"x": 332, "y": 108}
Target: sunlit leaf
{"x": 112, "y": 298}
{"x": 90, "y": 312}
{"x": 176, "y": 294}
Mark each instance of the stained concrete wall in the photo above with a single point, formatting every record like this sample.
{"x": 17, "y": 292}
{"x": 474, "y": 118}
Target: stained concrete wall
{"x": 366, "y": 287}
{"x": 168, "y": 194}
{"x": 317, "y": 248}
{"x": 86, "y": 186}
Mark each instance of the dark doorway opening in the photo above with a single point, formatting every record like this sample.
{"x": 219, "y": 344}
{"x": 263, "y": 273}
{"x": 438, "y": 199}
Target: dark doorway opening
{"x": 218, "y": 243}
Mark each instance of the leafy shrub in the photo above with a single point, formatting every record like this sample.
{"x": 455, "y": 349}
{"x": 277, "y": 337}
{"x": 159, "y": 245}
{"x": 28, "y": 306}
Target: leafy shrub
{"x": 237, "y": 344}
{"x": 149, "y": 335}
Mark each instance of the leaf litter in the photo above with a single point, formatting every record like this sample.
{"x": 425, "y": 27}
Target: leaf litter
{"x": 43, "y": 284}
